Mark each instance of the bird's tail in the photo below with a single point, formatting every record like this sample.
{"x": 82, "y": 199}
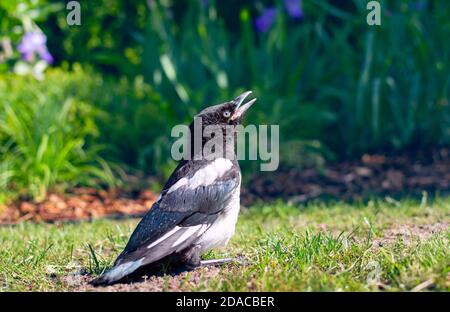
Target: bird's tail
{"x": 102, "y": 280}
{"x": 116, "y": 273}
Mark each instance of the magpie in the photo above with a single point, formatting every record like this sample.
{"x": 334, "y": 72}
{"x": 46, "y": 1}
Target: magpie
{"x": 197, "y": 209}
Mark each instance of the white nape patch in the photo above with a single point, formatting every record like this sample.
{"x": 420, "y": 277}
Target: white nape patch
{"x": 124, "y": 269}
{"x": 204, "y": 176}
{"x": 188, "y": 232}
{"x": 165, "y": 236}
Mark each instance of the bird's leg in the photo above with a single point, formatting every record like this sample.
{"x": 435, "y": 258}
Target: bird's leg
{"x": 191, "y": 258}
{"x": 216, "y": 262}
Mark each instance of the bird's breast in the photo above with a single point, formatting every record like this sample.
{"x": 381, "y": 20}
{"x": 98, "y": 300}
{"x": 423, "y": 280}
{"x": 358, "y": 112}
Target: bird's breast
{"x": 223, "y": 227}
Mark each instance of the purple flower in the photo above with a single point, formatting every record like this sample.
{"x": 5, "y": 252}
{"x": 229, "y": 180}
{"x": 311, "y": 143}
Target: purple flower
{"x": 294, "y": 8}
{"x": 34, "y": 42}
{"x": 266, "y": 19}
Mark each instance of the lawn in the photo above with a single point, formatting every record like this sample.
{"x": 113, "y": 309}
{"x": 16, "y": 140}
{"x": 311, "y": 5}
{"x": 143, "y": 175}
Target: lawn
{"x": 384, "y": 244}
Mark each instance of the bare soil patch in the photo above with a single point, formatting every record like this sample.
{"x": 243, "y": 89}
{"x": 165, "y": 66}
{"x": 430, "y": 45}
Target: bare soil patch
{"x": 354, "y": 180}
{"x": 168, "y": 282}
{"x": 78, "y": 204}
{"x": 410, "y": 233}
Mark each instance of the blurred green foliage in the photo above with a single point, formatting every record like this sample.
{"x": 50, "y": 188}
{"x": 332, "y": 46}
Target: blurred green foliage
{"x": 329, "y": 78}
{"x": 110, "y": 36}
{"x": 135, "y": 125}
{"x": 336, "y": 86}
{"x": 332, "y": 82}
{"x": 44, "y": 129}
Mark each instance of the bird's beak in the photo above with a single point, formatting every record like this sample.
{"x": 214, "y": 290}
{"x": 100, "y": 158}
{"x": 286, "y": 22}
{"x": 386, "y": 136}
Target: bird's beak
{"x": 240, "y": 109}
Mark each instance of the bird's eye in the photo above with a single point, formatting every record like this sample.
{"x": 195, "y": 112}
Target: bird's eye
{"x": 226, "y": 114}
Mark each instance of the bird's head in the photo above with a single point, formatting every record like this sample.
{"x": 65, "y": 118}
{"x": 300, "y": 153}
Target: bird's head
{"x": 228, "y": 113}
{"x": 222, "y": 120}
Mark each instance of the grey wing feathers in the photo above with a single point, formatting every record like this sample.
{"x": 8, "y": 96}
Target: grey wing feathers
{"x": 153, "y": 225}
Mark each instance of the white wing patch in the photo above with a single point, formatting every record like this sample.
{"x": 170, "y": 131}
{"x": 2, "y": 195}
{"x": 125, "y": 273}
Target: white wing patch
{"x": 188, "y": 232}
{"x": 204, "y": 176}
{"x": 165, "y": 236}
{"x": 180, "y": 183}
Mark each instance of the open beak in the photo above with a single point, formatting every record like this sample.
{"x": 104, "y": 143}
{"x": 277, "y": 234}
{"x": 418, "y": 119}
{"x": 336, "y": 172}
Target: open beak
{"x": 240, "y": 109}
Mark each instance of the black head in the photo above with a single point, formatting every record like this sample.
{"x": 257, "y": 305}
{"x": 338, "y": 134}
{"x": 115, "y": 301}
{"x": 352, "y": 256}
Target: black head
{"x": 218, "y": 119}
{"x": 229, "y": 113}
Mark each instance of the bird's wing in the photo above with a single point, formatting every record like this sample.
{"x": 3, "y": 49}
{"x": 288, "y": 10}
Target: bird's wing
{"x": 184, "y": 211}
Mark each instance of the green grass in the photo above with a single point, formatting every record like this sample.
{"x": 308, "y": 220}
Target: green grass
{"x": 317, "y": 247}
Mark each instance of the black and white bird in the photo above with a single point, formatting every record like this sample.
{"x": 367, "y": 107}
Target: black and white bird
{"x": 198, "y": 207}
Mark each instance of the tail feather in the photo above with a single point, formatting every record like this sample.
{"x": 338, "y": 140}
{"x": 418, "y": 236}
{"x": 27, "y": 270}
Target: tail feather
{"x": 117, "y": 273}
{"x": 172, "y": 242}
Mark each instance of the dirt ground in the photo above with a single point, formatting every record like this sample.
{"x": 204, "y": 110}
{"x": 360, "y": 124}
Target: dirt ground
{"x": 355, "y": 180}
{"x": 410, "y": 233}
{"x": 78, "y": 204}
{"x": 174, "y": 282}
{"x": 352, "y": 180}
